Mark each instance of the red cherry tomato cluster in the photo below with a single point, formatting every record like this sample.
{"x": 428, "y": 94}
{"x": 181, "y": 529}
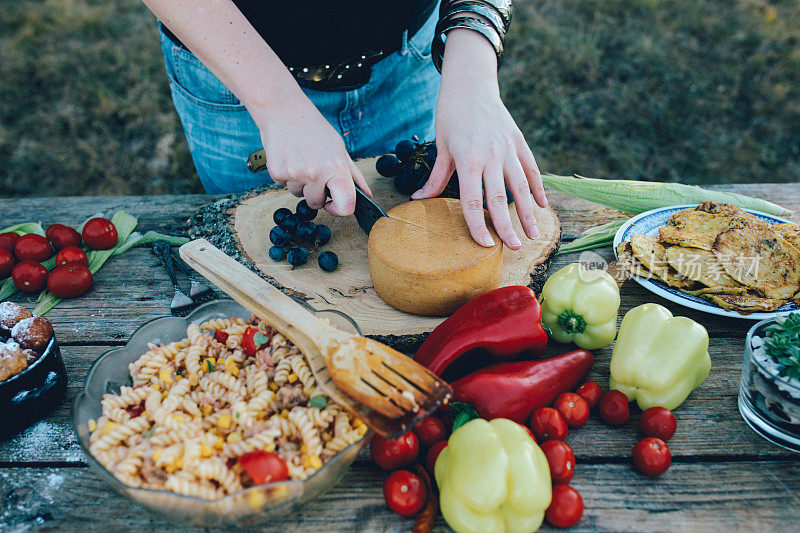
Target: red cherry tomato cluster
{"x": 21, "y": 257}
{"x": 405, "y": 492}
{"x": 550, "y": 425}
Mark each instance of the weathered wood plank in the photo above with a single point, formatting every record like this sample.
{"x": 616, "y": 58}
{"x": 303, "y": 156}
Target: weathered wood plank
{"x": 134, "y": 288}
{"x": 709, "y": 423}
{"x": 748, "y": 496}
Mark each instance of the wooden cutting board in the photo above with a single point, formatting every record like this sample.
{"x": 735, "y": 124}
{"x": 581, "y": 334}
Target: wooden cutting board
{"x": 349, "y": 288}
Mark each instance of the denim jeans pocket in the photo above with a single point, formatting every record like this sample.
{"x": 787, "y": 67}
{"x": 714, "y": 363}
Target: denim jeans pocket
{"x": 197, "y": 82}
{"x": 419, "y": 44}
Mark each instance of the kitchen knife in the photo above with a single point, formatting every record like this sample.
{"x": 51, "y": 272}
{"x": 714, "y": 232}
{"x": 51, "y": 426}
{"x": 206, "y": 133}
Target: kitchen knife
{"x": 367, "y": 212}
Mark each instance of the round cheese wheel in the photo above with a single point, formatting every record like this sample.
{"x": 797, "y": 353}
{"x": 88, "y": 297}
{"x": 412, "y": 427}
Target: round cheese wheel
{"x": 427, "y": 263}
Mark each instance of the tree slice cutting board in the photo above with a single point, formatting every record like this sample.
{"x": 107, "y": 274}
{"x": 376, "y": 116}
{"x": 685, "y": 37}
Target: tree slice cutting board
{"x": 349, "y": 288}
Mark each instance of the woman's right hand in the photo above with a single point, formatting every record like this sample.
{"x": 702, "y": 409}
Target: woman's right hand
{"x": 306, "y": 154}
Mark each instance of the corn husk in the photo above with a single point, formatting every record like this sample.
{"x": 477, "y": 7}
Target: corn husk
{"x": 636, "y": 197}
{"x": 595, "y": 237}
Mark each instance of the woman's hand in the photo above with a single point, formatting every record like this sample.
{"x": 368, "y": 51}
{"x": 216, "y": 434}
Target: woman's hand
{"x": 476, "y": 135}
{"x": 305, "y": 153}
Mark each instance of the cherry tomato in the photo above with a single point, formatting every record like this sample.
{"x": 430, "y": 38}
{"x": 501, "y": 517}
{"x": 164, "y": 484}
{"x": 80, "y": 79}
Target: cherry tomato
{"x": 591, "y": 392}
{"x": 561, "y": 460}
{"x": 7, "y": 263}
{"x": 8, "y": 240}
{"x": 34, "y": 247}
{"x": 613, "y": 408}
{"x": 547, "y": 423}
{"x": 573, "y": 408}
{"x": 100, "y": 234}
{"x": 69, "y": 281}
{"x": 433, "y": 454}
{"x": 254, "y": 340}
{"x": 392, "y": 454}
{"x": 566, "y": 507}
{"x": 651, "y": 456}
{"x": 29, "y": 276}
{"x": 70, "y": 255}
{"x": 430, "y": 430}
{"x": 221, "y": 336}
{"x": 658, "y": 422}
{"x": 62, "y": 236}
{"x": 264, "y": 467}
{"x": 405, "y": 493}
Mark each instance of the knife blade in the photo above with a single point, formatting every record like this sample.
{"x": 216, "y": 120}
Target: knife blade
{"x": 367, "y": 212}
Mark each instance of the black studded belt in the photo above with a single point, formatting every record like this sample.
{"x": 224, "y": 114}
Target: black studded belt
{"x": 349, "y": 74}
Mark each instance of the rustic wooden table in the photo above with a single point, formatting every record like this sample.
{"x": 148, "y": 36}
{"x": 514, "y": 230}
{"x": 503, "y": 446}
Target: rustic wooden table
{"x": 723, "y": 475}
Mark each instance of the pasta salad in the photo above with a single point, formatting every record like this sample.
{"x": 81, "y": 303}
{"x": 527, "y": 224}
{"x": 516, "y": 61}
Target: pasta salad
{"x": 200, "y": 408}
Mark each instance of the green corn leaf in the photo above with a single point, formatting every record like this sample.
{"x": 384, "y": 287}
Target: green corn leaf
{"x": 137, "y": 239}
{"x": 633, "y": 196}
{"x": 25, "y": 227}
{"x": 595, "y": 237}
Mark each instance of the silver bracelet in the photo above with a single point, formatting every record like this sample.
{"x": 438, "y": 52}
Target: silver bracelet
{"x": 470, "y": 23}
{"x": 477, "y": 7}
{"x": 491, "y": 9}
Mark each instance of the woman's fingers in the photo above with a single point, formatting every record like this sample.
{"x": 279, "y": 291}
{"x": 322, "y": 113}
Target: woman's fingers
{"x": 497, "y": 203}
{"x": 343, "y": 195}
{"x": 295, "y": 187}
{"x": 315, "y": 194}
{"x": 532, "y": 173}
{"x": 518, "y": 184}
{"x": 440, "y": 175}
{"x": 358, "y": 178}
{"x": 470, "y": 184}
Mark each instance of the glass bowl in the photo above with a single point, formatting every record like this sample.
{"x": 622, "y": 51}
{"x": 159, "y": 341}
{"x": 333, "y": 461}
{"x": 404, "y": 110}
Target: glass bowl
{"x": 768, "y": 401}
{"x": 249, "y": 506}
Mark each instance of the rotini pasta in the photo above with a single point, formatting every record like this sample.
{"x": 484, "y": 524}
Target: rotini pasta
{"x": 198, "y": 404}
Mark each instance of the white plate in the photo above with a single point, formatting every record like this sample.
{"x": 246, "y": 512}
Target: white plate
{"x": 648, "y": 223}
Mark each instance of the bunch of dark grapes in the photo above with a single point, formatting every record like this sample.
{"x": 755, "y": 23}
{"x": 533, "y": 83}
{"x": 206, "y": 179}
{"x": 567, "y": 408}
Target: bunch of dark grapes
{"x": 295, "y": 234}
{"x": 410, "y": 165}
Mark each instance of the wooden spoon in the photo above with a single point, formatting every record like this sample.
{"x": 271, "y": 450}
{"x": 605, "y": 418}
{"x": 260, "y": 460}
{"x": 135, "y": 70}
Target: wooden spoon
{"x": 386, "y": 389}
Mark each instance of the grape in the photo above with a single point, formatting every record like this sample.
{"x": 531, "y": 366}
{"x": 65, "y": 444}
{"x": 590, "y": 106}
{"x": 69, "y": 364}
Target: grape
{"x": 420, "y": 184}
{"x": 328, "y": 261}
{"x": 387, "y": 165}
{"x": 290, "y": 222}
{"x": 306, "y": 230}
{"x": 297, "y": 256}
{"x": 280, "y": 214}
{"x": 304, "y": 212}
{"x": 276, "y": 253}
{"x": 405, "y": 180}
{"x": 404, "y": 149}
{"x": 322, "y": 235}
{"x": 279, "y": 236}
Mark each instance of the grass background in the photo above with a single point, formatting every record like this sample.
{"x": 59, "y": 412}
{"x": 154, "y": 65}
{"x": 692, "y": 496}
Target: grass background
{"x": 704, "y": 91}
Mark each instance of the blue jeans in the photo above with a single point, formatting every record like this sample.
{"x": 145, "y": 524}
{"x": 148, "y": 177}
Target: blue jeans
{"x": 398, "y": 101}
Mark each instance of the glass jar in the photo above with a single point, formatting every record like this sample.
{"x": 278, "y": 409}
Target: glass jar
{"x": 768, "y": 401}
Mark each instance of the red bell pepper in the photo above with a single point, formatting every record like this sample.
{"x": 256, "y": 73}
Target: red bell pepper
{"x": 505, "y": 322}
{"x": 515, "y": 390}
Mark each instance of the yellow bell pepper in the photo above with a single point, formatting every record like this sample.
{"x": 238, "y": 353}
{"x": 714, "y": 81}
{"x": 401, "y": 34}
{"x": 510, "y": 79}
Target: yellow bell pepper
{"x": 492, "y": 477}
{"x": 580, "y": 306}
{"x": 659, "y": 358}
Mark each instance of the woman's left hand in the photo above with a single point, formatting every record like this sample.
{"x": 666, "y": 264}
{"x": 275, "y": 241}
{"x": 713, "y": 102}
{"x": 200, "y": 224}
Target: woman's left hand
{"x": 476, "y": 135}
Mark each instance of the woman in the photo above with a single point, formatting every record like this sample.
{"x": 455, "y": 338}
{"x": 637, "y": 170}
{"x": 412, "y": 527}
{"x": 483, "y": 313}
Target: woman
{"x": 316, "y": 83}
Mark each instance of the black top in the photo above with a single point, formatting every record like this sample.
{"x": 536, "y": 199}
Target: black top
{"x": 305, "y": 33}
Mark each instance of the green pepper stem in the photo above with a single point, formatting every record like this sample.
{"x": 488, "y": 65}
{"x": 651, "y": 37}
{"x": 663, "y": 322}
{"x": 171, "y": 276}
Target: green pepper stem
{"x": 571, "y": 322}
{"x": 464, "y": 412}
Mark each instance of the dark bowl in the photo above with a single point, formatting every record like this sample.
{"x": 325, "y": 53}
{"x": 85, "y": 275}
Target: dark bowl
{"x": 31, "y": 394}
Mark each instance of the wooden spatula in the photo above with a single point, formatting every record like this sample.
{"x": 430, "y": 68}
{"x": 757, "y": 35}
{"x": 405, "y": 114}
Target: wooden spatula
{"x": 378, "y": 384}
